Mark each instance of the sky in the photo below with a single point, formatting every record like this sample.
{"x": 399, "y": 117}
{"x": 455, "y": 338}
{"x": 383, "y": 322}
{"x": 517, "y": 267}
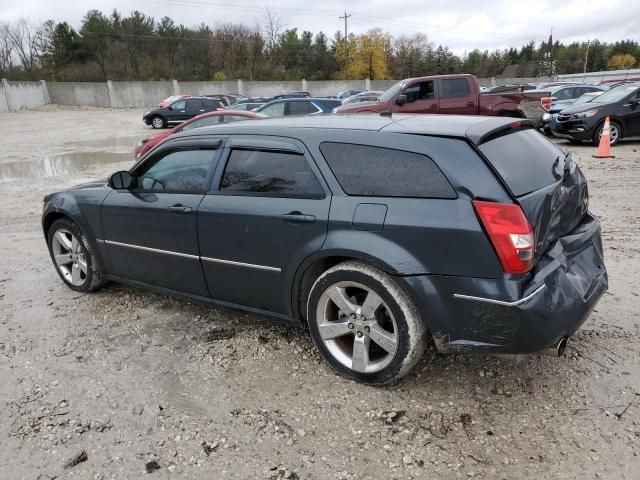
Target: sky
{"x": 462, "y": 25}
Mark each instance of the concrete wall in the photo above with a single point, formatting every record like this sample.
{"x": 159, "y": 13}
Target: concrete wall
{"x": 22, "y": 95}
{"x": 595, "y": 77}
{"x": 331, "y": 87}
{"x": 139, "y": 94}
{"x": 79, "y": 93}
{"x": 208, "y": 88}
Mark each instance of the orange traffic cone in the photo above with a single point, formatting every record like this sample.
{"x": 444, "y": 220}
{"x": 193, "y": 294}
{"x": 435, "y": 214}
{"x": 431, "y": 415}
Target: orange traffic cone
{"x": 604, "y": 148}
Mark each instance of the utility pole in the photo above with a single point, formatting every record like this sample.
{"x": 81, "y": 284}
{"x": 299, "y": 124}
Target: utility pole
{"x": 346, "y": 44}
{"x": 586, "y": 60}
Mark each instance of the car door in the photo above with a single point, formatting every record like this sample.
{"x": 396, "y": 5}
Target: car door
{"x": 455, "y": 97}
{"x": 177, "y": 112}
{"x": 421, "y": 98}
{"x": 194, "y": 107}
{"x": 268, "y": 212}
{"x": 150, "y": 230}
{"x": 631, "y": 114}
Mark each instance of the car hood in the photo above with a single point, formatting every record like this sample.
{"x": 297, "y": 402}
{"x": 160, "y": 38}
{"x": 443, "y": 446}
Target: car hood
{"x": 357, "y": 106}
{"x": 82, "y": 186}
{"x": 585, "y": 107}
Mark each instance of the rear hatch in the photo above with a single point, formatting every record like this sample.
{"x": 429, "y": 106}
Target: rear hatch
{"x": 543, "y": 180}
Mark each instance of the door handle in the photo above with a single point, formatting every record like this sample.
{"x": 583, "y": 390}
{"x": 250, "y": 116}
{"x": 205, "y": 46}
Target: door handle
{"x": 433, "y": 106}
{"x": 180, "y": 209}
{"x": 470, "y": 104}
{"x": 297, "y": 217}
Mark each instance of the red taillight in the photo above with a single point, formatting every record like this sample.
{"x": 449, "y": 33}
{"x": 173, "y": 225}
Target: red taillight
{"x": 510, "y": 233}
{"x": 546, "y": 103}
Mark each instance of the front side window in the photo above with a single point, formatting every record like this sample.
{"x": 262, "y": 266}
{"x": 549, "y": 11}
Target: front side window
{"x": 270, "y": 173}
{"x": 455, "y": 88}
{"x": 275, "y": 110}
{"x": 420, "y": 91}
{"x": 177, "y": 170}
{"x": 179, "y": 105}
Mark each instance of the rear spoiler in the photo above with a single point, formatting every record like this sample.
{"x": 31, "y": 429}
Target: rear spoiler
{"x": 484, "y": 131}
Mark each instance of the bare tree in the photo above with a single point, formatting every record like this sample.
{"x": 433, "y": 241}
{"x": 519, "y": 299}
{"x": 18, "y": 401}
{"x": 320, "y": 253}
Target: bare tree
{"x": 26, "y": 40}
{"x": 6, "y": 48}
{"x": 273, "y": 28}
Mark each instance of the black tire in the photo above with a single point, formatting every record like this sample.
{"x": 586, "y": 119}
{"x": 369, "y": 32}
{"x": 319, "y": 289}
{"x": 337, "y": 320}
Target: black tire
{"x": 411, "y": 338}
{"x": 598, "y": 131}
{"x": 91, "y": 279}
{"x": 158, "y": 122}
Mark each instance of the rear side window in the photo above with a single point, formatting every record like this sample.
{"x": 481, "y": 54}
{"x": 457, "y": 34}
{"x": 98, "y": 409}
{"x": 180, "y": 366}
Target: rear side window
{"x": 269, "y": 173}
{"x": 525, "y": 160}
{"x": 301, "y": 108}
{"x": 454, "y": 88}
{"x": 384, "y": 172}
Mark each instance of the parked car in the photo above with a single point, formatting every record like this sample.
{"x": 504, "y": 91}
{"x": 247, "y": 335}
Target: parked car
{"x": 180, "y": 111}
{"x": 169, "y": 100}
{"x": 224, "y": 99}
{"x": 553, "y": 118}
{"x": 291, "y": 95}
{"x": 585, "y": 122}
{"x": 298, "y": 106}
{"x": 247, "y": 106}
{"x": 366, "y": 96}
{"x": 451, "y": 94}
{"x": 204, "y": 120}
{"x": 349, "y": 93}
{"x": 563, "y": 97}
{"x": 377, "y": 233}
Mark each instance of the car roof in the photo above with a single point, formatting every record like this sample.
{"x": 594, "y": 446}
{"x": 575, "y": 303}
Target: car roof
{"x": 474, "y": 128}
{"x": 302, "y": 99}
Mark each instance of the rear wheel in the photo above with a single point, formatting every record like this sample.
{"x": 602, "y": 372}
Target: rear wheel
{"x": 365, "y": 326}
{"x": 72, "y": 256}
{"x": 158, "y": 122}
{"x": 615, "y": 133}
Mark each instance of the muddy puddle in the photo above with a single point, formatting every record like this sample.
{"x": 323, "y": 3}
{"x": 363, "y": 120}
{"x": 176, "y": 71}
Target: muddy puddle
{"x": 58, "y": 165}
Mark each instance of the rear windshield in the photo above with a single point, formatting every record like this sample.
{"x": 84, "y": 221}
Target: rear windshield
{"x": 525, "y": 160}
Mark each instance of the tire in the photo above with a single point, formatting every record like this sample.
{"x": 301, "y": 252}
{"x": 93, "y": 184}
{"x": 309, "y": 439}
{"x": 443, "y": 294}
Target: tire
{"x": 615, "y": 126}
{"x": 342, "y": 334}
{"x": 77, "y": 248}
{"x": 158, "y": 122}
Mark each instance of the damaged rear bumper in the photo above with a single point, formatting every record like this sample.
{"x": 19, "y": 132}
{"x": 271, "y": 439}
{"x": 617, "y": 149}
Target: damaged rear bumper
{"x": 518, "y": 315}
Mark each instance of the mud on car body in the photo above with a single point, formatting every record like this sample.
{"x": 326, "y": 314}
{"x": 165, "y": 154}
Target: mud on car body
{"x": 378, "y": 233}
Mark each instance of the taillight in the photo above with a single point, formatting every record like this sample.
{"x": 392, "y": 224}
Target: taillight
{"x": 510, "y": 233}
{"x": 546, "y": 103}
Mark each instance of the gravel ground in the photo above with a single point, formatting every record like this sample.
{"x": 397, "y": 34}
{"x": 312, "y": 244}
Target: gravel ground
{"x": 126, "y": 384}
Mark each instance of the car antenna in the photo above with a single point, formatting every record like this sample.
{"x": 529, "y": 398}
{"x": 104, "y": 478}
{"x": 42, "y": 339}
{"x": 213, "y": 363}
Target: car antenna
{"x": 386, "y": 113}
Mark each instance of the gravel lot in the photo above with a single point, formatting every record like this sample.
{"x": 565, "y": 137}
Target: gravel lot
{"x": 141, "y": 382}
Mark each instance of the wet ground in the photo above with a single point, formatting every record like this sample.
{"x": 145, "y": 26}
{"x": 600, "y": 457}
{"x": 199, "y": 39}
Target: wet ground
{"x": 147, "y": 385}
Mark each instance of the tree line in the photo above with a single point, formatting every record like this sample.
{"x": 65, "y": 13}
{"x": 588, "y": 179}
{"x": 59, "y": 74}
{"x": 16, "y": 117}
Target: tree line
{"x": 139, "y": 47}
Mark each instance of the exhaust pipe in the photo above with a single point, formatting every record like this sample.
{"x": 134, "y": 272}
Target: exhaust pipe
{"x": 558, "y": 349}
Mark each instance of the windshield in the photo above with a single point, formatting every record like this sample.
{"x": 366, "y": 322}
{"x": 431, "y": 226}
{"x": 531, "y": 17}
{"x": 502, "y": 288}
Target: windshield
{"x": 391, "y": 92}
{"x": 587, "y": 97}
{"x": 615, "y": 94}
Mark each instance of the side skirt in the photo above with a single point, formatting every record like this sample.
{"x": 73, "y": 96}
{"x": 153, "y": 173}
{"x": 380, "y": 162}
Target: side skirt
{"x": 230, "y": 306}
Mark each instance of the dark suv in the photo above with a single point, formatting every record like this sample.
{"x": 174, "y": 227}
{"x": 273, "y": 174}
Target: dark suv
{"x": 180, "y": 111}
{"x": 378, "y": 233}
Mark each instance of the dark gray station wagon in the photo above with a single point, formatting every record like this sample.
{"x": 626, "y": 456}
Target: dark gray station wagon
{"x": 379, "y": 233}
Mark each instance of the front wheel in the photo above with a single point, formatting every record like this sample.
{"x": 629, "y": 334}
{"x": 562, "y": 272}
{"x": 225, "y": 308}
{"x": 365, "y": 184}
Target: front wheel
{"x": 365, "y": 326}
{"x": 72, "y": 256}
{"x": 615, "y": 133}
{"x": 158, "y": 122}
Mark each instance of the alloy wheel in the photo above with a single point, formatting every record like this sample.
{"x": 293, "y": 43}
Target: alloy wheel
{"x": 69, "y": 257}
{"x": 614, "y": 133}
{"x": 157, "y": 122}
{"x": 357, "y": 327}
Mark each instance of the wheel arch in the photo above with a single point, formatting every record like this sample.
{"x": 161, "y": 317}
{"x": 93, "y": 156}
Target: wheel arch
{"x": 315, "y": 265}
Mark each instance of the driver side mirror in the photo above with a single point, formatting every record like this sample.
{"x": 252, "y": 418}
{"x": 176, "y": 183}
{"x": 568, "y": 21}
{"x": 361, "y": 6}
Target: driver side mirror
{"x": 635, "y": 103}
{"x": 401, "y": 99}
{"x": 122, "y": 180}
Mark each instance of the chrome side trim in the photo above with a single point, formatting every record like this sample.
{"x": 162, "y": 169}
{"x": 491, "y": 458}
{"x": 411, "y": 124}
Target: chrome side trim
{"x": 501, "y": 302}
{"x": 241, "y": 264}
{"x": 153, "y": 250}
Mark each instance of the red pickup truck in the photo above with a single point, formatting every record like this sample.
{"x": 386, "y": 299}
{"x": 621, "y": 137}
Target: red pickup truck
{"x": 452, "y": 95}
